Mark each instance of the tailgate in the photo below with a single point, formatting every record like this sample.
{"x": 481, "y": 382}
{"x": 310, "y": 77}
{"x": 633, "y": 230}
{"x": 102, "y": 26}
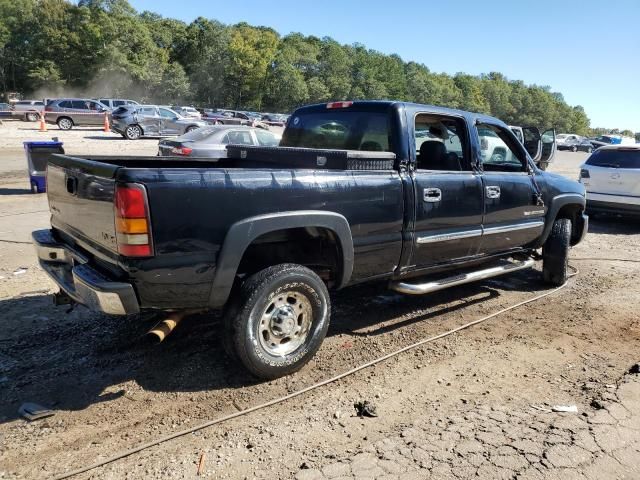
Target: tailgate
{"x": 80, "y": 193}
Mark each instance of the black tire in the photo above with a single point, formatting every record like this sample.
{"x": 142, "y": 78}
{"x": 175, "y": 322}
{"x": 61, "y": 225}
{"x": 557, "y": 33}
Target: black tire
{"x": 32, "y": 117}
{"x": 253, "y": 314}
{"x": 132, "y": 132}
{"x": 191, "y": 129}
{"x": 589, "y": 150}
{"x": 64, "y": 123}
{"x": 555, "y": 253}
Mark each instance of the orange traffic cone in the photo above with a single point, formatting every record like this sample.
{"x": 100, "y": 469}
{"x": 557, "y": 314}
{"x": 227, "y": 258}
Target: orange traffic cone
{"x": 106, "y": 123}
{"x": 43, "y": 124}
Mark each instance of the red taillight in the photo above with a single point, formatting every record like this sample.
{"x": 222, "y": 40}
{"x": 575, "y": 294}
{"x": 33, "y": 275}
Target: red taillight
{"x": 133, "y": 232}
{"x": 182, "y": 150}
{"x": 339, "y": 104}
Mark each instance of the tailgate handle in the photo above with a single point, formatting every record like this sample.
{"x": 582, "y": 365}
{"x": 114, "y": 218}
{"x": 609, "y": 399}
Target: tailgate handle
{"x": 72, "y": 185}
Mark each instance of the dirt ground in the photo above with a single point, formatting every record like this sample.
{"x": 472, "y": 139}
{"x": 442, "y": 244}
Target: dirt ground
{"x": 473, "y": 405}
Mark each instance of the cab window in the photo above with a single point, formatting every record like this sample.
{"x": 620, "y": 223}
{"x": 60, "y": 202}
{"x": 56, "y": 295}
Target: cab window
{"x": 239, "y": 137}
{"x": 498, "y": 150}
{"x": 266, "y": 139}
{"x": 441, "y": 143}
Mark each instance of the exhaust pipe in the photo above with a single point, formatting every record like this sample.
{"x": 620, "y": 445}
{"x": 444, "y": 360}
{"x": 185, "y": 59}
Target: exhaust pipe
{"x": 166, "y": 326}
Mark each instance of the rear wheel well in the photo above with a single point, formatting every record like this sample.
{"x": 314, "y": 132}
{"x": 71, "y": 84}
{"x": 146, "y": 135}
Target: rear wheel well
{"x": 313, "y": 247}
{"x": 572, "y": 212}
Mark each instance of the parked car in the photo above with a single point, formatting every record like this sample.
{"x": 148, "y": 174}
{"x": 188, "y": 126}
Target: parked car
{"x": 230, "y": 117}
{"x": 494, "y": 149}
{"x": 266, "y": 233}
{"x": 28, "y": 110}
{"x": 212, "y": 141}
{"x": 604, "y": 140}
{"x": 611, "y": 176}
{"x": 188, "y": 112}
{"x": 136, "y": 121}
{"x": 114, "y": 103}
{"x": 275, "y": 119}
{"x": 528, "y": 135}
{"x": 75, "y": 112}
{"x": 575, "y": 143}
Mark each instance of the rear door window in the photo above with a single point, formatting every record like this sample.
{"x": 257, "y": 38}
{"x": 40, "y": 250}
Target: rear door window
{"x": 619, "y": 158}
{"x": 79, "y": 105}
{"x": 66, "y": 104}
{"x": 266, "y": 139}
{"x": 240, "y": 137}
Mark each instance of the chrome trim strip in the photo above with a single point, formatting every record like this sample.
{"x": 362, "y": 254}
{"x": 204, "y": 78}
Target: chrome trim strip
{"x": 445, "y": 237}
{"x": 512, "y": 228}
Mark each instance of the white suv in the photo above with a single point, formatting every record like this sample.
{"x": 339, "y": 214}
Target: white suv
{"x": 611, "y": 176}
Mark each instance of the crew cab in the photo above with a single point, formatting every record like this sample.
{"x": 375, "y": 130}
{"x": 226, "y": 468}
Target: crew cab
{"x": 356, "y": 192}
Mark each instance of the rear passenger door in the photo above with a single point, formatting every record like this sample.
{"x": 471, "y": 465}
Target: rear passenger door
{"x": 149, "y": 120}
{"x": 448, "y": 192}
{"x": 512, "y": 216}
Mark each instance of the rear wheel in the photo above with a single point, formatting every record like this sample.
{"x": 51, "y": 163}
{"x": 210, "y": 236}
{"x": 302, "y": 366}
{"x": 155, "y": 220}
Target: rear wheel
{"x": 65, "y": 123}
{"x": 555, "y": 253}
{"x": 574, "y": 149}
{"x": 132, "y": 132}
{"x": 277, "y": 320}
{"x": 589, "y": 150}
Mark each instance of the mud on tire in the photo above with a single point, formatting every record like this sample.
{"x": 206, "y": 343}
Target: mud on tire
{"x": 555, "y": 253}
{"x": 277, "y": 320}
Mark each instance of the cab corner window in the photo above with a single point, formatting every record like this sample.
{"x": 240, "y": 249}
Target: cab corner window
{"x": 441, "y": 143}
{"x": 498, "y": 150}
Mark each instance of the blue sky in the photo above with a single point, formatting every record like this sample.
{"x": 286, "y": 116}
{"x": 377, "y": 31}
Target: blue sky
{"x": 588, "y": 50}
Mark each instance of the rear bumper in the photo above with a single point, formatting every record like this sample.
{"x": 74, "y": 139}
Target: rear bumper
{"x": 70, "y": 270}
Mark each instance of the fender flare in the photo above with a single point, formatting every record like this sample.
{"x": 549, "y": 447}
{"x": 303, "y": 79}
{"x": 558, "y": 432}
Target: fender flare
{"x": 243, "y": 232}
{"x": 557, "y": 203}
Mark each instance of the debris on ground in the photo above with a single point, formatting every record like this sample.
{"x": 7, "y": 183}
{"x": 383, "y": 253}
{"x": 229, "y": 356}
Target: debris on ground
{"x": 597, "y": 404}
{"x": 635, "y": 369}
{"x": 20, "y": 271}
{"x": 365, "y": 409}
{"x": 201, "y": 464}
{"x": 33, "y": 411}
{"x": 564, "y": 409}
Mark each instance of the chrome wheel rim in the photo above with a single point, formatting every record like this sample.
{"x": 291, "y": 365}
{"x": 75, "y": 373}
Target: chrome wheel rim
{"x": 285, "y": 323}
{"x": 65, "y": 124}
{"x": 133, "y": 132}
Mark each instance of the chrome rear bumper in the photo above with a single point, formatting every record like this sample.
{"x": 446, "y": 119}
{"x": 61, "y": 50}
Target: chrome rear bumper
{"x": 70, "y": 270}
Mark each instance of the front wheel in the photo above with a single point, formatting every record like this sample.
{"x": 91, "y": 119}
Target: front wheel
{"x": 589, "y": 150}
{"x": 190, "y": 129}
{"x": 32, "y": 117}
{"x": 277, "y": 320}
{"x": 555, "y": 253}
{"x": 574, "y": 149}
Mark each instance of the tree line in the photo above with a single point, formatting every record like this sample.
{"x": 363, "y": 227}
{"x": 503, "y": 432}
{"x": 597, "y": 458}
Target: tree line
{"x": 106, "y": 48}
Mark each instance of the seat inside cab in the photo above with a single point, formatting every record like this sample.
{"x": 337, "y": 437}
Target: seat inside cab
{"x": 440, "y": 144}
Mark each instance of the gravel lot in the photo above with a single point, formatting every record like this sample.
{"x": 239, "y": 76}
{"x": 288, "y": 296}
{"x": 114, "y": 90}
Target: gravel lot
{"x": 474, "y": 405}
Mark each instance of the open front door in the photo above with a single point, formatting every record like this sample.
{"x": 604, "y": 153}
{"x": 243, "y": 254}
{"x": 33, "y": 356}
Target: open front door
{"x": 549, "y": 146}
{"x": 533, "y": 143}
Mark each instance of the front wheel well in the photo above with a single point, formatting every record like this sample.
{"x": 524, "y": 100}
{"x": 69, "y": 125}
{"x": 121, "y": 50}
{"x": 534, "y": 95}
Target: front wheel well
{"x": 316, "y": 248}
{"x": 573, "y": 212}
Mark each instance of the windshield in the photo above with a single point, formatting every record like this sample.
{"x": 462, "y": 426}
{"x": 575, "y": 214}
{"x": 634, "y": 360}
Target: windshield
{"x": 340, "y": 130}
{"x": 619, "y": 158}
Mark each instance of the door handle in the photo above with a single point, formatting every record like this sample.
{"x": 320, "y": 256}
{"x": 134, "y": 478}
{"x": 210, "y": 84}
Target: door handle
{"x": 492, "y": 191}
{"x": 432, "y": 195}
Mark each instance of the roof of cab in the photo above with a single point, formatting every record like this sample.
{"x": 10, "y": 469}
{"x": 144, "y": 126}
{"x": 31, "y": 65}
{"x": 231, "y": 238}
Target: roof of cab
{"x": 413, "y": 107}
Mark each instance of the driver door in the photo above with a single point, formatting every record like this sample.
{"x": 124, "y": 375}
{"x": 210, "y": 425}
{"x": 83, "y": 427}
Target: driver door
{"x": 512, "y": 217}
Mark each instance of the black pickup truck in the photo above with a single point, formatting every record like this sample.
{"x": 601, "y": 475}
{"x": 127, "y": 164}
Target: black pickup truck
{"x": 417, "y": 196}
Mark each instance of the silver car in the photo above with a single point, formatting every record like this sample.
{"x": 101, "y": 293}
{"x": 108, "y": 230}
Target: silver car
{"x": 136, "y": 121}
{"x": 211, "y": 142}
{"x": 28, "y": 110}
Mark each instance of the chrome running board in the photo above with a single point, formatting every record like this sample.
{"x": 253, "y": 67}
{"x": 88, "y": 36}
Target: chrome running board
{"x": 434, "y": 286}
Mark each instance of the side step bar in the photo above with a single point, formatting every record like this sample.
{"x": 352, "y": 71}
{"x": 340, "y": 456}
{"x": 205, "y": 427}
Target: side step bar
{"x": 422, "y": 288}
